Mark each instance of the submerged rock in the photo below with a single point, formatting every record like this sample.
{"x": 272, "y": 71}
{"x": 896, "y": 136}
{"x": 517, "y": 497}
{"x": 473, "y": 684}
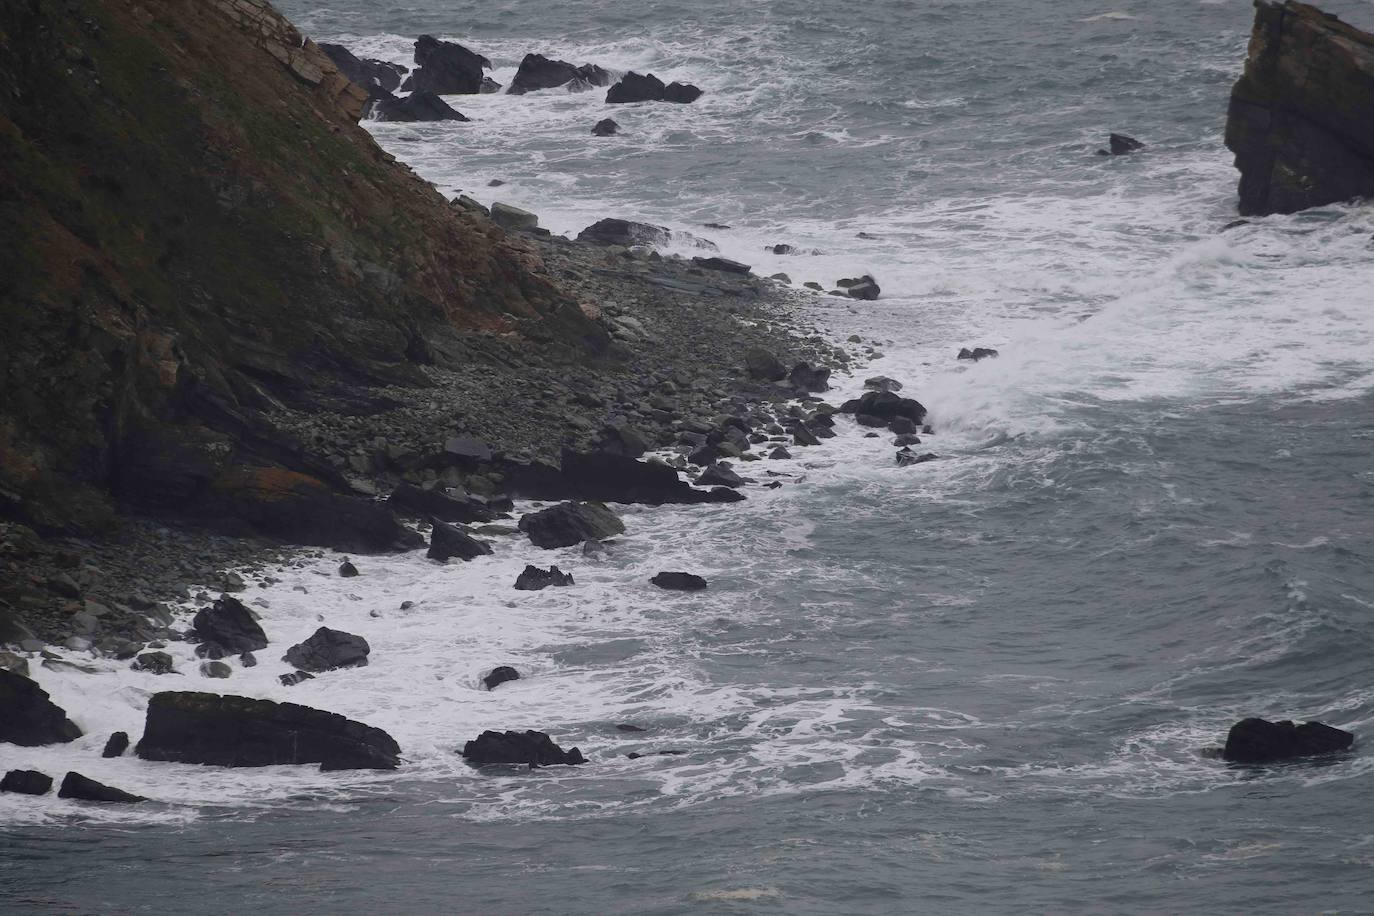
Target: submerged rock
{"x": 570, "y": 523}
{"x": 1259, "y": 741}
{"x": 117, "y": 744}
{"x": 887, "y": 405}
{"x": 532, "y": 578}
{"x": 229, "y": 626}
{"x": 1299, "y": 118}
{"x": 418, "y": 106}
{"x": 26, "y": 782}
{"x": 500, "y": 675}
{"x": 215, "y": 669}
{"x": 446, "y": 68}
{"x": 328, "y": 649}
{"x": 681, "y": 93}
{"x": 539, "y": 72}
{"x": 606, "y": 127}
{"x": 30, "y": 718}
{"x": 717, "y": 475}
{"x": 235, "y": 731}
{"x": 83, "y": 788}
{"x": 447, "y": 541}
{"x": 679, "y": 581}
{"x": 1120, "y": 145}
{"x": 976, "y": 353}
{"x": 530, "y": 747}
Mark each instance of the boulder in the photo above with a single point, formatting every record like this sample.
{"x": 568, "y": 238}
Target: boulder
{"x": 802, "y": 435}
{"x": 875, "y": 422}
{"x": 609, "y": 477}
{"x": 679, "y": 582}
{"x": 416, "y": 502}
{"x": 906, "y": 457}
{"x": 294, "y": 678}
{"x": 230, "y": 626}
{"x": 1299, "y": 118}
{"x": 719, "y": 476}
{"x": 723, "y": 265}
{"x": 513, "y": 218}
{"x": 117, "y": 744}
{"x": 623, "y": 440}
{"x": 540, "y": 72}
{"x": 1259, "y": 741}
{"x": 976, "y": 353}
{"x": 500, "y": 675}
{"x": 226, "y": 730}
{"x": 466, "y": 451}
{"x": 531, "y": 747}
{"x": 153, "y": 663}
{"x": 215, "y": 669}
{"x": 780, "y": 454}
{"x": 887, "y": 405}
{"x": 634, "y": 87}
{"x": 26, "y": 782}
{"x": 570, "y": 523}
{"x": 372, "y": 75}
{"x": 446, "y": 68}
{"x": 623, "y": 232}
{"x": 28, "y": 717}
{"x": 882, "y": 383}
{"x": 681, "y": 93}
{"x": 447, "y": 541}
{"x": 418, "y": 106}
{"x": 74, "y": 785}
{"x": 347, "y": 570}
{"x": 606, "y": 127}
{"x": 1120, "y": 145}
{"x": 864, "y": 287}
{"x": 328, "y": 649}
{"x": 532, "y": 579}
{"x": 805, "y": 377}
{"x": 763, "y": 365}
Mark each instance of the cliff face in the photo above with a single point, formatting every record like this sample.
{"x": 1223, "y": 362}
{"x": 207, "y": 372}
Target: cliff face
{"x": 195, "y": 231}
{"x": 1301, "y": 118}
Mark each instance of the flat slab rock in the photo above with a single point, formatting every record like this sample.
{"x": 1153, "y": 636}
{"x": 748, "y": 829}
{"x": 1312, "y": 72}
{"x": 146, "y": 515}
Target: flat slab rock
{"x": 83, "y": 788}
{"x": 530, "y": 747}
{"x": 234, "y": 731}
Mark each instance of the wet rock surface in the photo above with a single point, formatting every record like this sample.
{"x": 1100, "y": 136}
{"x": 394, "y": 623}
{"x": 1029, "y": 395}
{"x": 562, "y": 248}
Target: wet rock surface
{"x": 29, "y": 716}
{"x": 328, "y": 649}
{"x": 26, "y": 782}
{"x": 534, "y": 748}
{"x": 83, "y": 788}
{"x": 570, "y": 523}
{"x": 1260, "y": 741}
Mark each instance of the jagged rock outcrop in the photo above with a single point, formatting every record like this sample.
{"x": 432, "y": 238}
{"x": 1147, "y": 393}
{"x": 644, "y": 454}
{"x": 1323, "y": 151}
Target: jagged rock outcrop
{"x": 418, "y": 106}
{"x": 540, "y": 72}
{"x": 530, "y": 747}
{"x": 28, "y": 717}
{"x": 1259, "y": 741}
{"x": 187, "y": 727}
{"x": 1300, "y": 119}
{"x": 203, "y": 234}
{"x": 446, "y": 68}
{"x": 376, "y": 77}
{"x": 328, "y": 649}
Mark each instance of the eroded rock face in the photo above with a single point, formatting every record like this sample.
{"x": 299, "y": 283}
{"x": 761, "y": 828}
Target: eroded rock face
{"x": 28, "y": 717}
{"x": 188, "y": 727}
{"x": 1300, "y": 118}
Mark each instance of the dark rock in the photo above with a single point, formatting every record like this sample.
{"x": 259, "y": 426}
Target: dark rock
{"x": 626, "y": 727}
{"x": 976, "y": 353}
{"x": 532, "y": 579}
{"x": 153, "y": 663}
{"x": 609, "y": 477}
{"x": 417, "y": 502}
{"x": 539, "y": 72}
{"x": 531, "y": 747}
{"x": 116, "y": 745}
{"x": 606, "y": 127}
{"x": 635, "y": 755}
{"x": 248, "y": 660}
{"x": 446, "y": 68}
{"x": 619, "y": 439}
{"x": 513, "y": 218}
{"x": 724, "y": 265}
{"x": 1259, "y": 741}
{"x": 26, "y": 782}
{"x": 801, "y": 435}
{"x": 779, "y": 453}
{"x": 30, "y": 717}
{"x": 447, "y": 541}
{"x": 864, "y": 419}
{"x": 882, "y": 383}
{"x": 906, "y": 457}
{"x": 347, "y": 570}
{"x": 570, "y": 523}
{"x": 74, "y": 785}
{"x": 813, "y": 285}
{"x": 679, "y": 581}
{"x": 781, "y": 249}
{"x": 864, "y": 287}
{"x": 634, "y": 87}
{"x": 1235, "y": 224}
{"x": 1299, "y": 119}
{"x": 805, "y": 377}
{"x": 215, "y": 669}
{"x": 467, "y": 450}
{"x": 209, "y": 650}
{"x": 230, "y": 626}
{"x": 328, "y": 649}
{"x": 240, "y": 732}
{"x": 372, "y": 75}
{"x": 294, "y": 678}
{"x": 1120, "y": 145}
{"x": 764, "y": 366}
{"x": 681, "y": 93}
{"x": 907, "y": 439}
{"x": 718, "y": 476}
{"x": 623, "y": 232}
{"x": 418, "y": 106}
{"x": 902, "y": 426}
{"x": 887, "y": 405}
{"x": 500, "y": 675}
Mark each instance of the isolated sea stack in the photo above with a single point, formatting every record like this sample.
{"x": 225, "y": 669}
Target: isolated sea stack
{"x": 1301, "y": 118}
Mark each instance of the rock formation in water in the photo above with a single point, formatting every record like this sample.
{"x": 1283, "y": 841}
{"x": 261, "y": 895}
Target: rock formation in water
{"x": 202, "y": 234}
{"x": 1301, "y": 118}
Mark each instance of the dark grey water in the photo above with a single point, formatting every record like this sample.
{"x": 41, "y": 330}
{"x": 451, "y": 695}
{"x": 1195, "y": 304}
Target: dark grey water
{"x": 978, "y": 685}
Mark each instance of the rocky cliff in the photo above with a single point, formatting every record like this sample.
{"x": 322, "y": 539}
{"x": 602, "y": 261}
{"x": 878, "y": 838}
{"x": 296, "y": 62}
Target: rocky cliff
{"x": 1301, "y": 118}
{"x": 196, "y": 233}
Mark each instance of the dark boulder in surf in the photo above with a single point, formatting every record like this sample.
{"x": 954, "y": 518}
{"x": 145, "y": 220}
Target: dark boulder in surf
{"x": 83, "y": 788}
{"x": 533, "y": 579}
{"x": 679, "y": 582}
{"x": 328, "y": 649}
{"x": 887, "y": 405}
{"x": 611, "y": 231}
{"x": 209, "y": 728}
{"x": 681, "y": 93}
{"x": 539, "y": 72}
{"x": 448, "y": 541}
{"x": 533, "y": 748}
{"x": 636, "y": 87}
{"x": 499, "y": 676}
{"x": 1120, "y": 145}
{"x": 805, "y": 377}
{"x": 376, "y": 76}
{"x": 570, "y": 523}
{"x": 117, "y": 744}
{"x": 30, "y": 718}
{"x": 446, "y": 68}
{"x": 228, "y": 626}
{"x": 1259, "y": 741}
{"x": 606, "y": 127}
{"x": 418, "y": 106}
{"x": 26, "y": 782}
{"x": 976, "y": 353}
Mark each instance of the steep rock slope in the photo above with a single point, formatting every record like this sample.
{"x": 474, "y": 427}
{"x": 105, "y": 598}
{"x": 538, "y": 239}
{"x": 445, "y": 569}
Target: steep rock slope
{"x": 1301, "y": 118}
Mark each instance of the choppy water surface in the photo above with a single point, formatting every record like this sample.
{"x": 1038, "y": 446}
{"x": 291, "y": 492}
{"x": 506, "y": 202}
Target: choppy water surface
{"x": 975, "y": 685}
